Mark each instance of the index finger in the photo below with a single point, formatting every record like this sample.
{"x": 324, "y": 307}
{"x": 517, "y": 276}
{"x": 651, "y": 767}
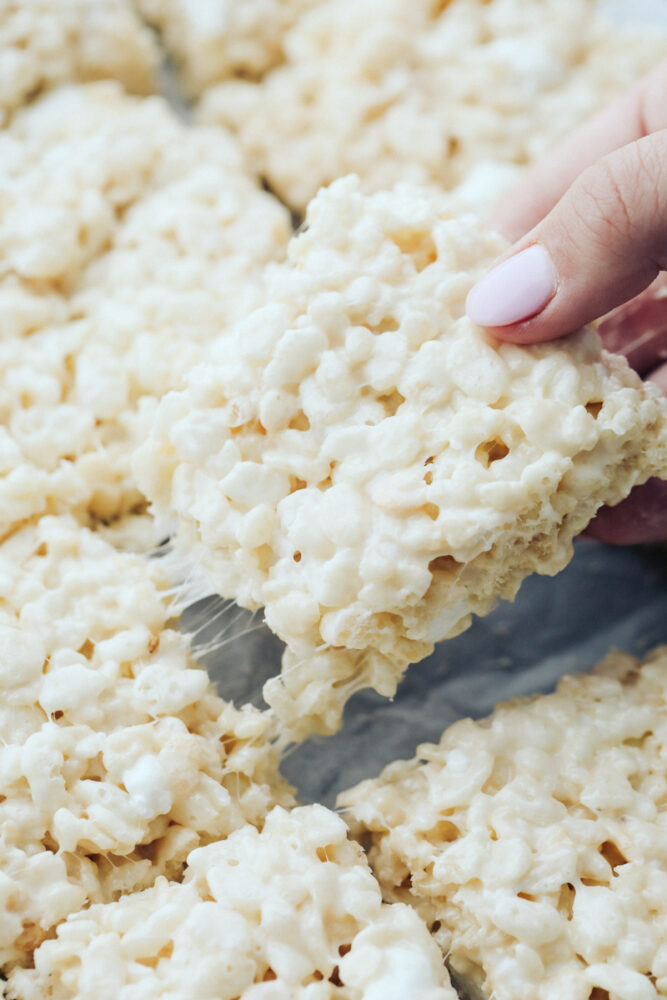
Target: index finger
{"x": 639, "y": 112}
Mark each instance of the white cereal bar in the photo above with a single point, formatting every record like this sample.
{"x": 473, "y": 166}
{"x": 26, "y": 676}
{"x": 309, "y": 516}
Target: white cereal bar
{"x": 116, "y": 756}
{"x": 48, "y": 42}
{"x": 291, "y": 913}
{"x": 533, "y": 842}
{"x": 372, "y": 468}
{"x": 423, "y": 91}
{"x": 213, "y": 40}
{"x": 128, "y": 240}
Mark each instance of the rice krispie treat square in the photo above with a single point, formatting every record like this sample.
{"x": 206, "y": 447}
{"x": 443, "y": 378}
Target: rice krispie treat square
{"x": 219, "y": 39}
{"x": 426, "y": 90}
{"x": 128, "y": 241}
{"x": 117, "y": 758}
{"x": 291, "y": 913}
{"x": 533, "y": 842}
{"x": 363, "y": 462}
{"x": 47, "y": 42}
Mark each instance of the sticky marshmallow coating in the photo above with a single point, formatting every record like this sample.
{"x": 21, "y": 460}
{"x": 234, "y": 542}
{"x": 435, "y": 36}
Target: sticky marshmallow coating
{"x": 219, "y": 39}
{"x": 423, "y": 91}
{"x": 47, "y": 42}
{"x": 128, "y": 241}
{"x": 372, "y": 468}
{"x": 291, "y": 913}
{"x": 533, "y": 842}
{"x": 116, "y": 756}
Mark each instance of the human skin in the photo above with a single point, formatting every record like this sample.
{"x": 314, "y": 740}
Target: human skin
{"x": 589, "y": 231}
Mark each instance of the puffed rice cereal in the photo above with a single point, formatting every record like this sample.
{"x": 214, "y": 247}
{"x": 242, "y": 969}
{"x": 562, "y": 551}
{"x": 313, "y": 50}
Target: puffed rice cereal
{"x": 116, "y": 756}
{"x": 372, "y": 468}
{"x": 291, "y": 913}
{"x": 533, "y": 842}
{"x": 423, "y": 91}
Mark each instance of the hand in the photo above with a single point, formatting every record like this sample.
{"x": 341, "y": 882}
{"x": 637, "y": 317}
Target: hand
{"x": 590, "y": 225}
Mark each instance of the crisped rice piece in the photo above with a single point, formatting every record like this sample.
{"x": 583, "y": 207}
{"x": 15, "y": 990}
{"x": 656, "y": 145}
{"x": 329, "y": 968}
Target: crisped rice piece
{"x": 116, "y": 756}
{"x": 47, "y": 42}
{"x": 372, "y": 468}
{"x": 533, "y": 842}
{"x": 423, "y": 91}
{"x": 291, "y": 913}
{"x": 128, "y": 241}
{"x": 218, "y": 39}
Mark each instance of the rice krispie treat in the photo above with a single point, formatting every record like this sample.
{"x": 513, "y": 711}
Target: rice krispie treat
{"x": 218, "y": 39}
{"x": 372, "y": 468}
{"x": 423, "y": 91}
{"x": 533, "y": 842}
{"x": 116, "y": 756}
{"x": 291, "y": 913}
{"x": 128, "y": 241}
{"x": 47, "y": 42}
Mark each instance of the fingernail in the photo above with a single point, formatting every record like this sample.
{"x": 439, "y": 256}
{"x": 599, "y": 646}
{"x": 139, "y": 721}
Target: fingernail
{"x": 518, "y": 288}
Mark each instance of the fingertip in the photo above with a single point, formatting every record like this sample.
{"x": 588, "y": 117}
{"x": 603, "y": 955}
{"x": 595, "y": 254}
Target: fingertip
{"x": 517, "y": 288}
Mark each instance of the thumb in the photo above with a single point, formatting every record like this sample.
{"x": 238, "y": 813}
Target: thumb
{"x": 602, "y": 244}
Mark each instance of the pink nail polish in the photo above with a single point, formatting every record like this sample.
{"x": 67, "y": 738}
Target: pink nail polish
{"x": 518, "y": 288}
